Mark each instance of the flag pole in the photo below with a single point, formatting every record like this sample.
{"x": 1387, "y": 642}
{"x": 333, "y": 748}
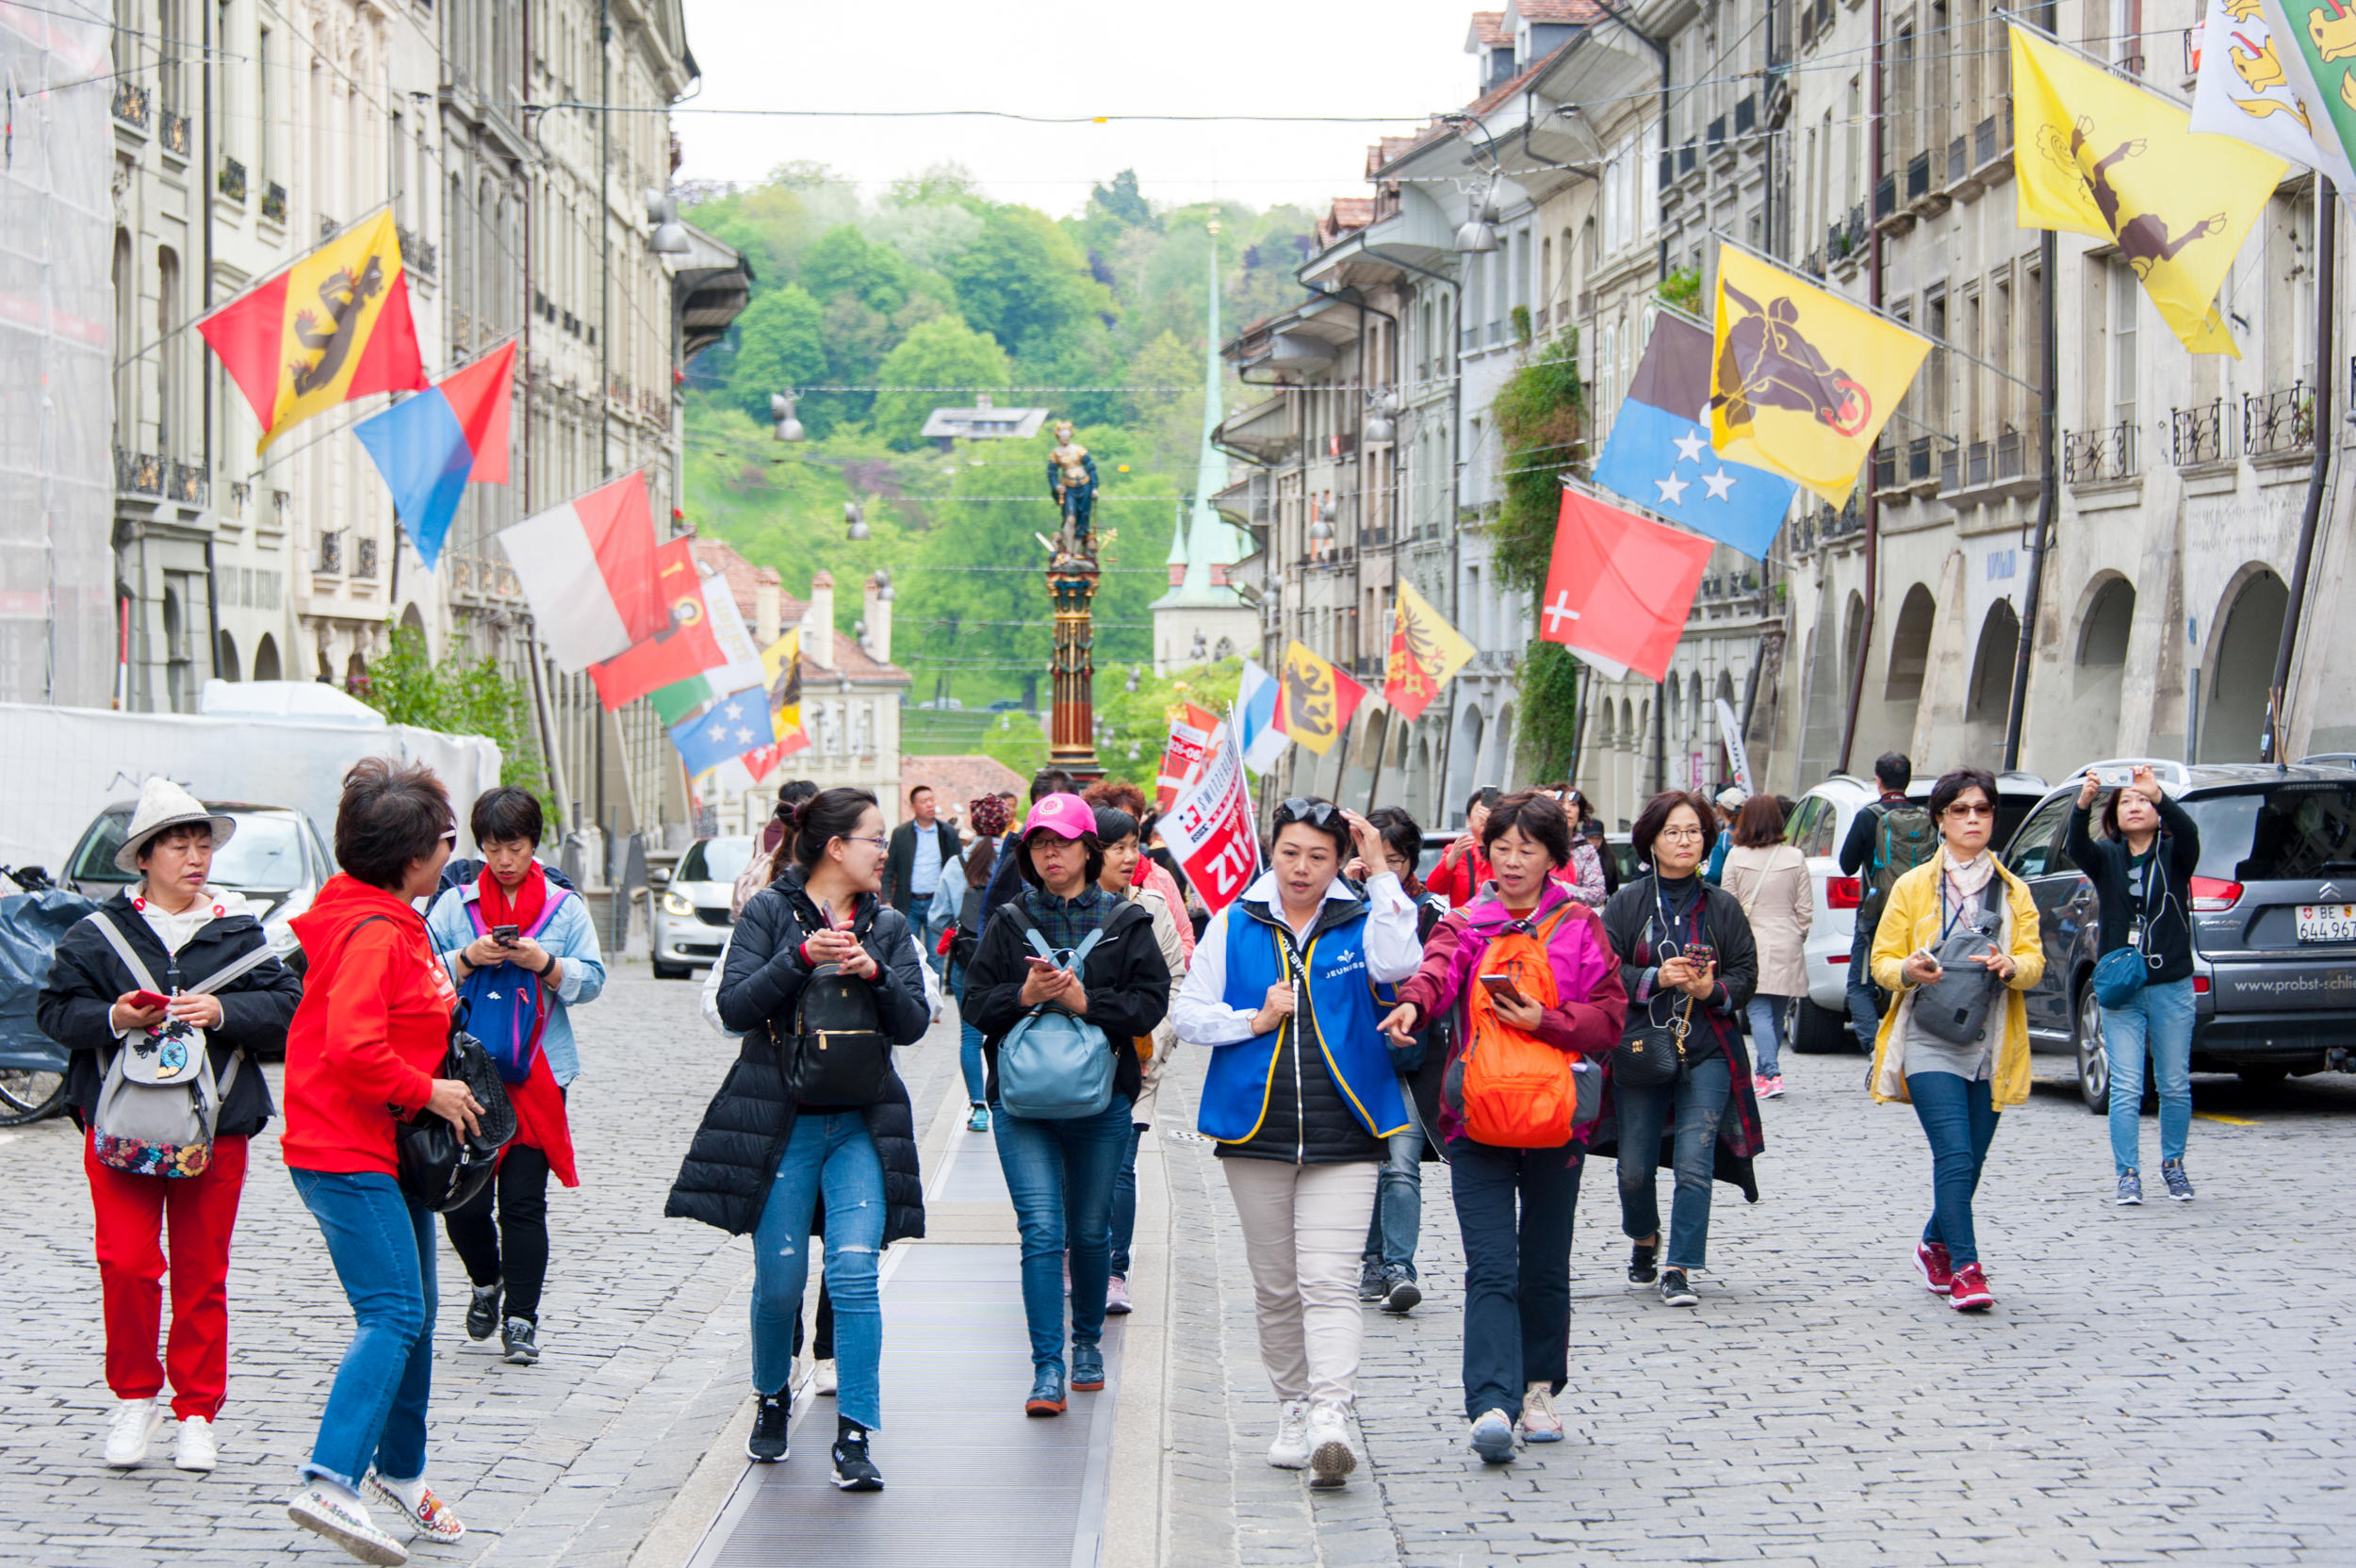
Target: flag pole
{"x": 2274, "y": 745}
{"x": 204, "y": 315}
{"x": 2014, "y": 19}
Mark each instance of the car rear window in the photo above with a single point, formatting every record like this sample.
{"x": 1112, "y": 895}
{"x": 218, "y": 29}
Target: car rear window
{"x": 715, "y": 859}
{"x": 2277, "y": 832}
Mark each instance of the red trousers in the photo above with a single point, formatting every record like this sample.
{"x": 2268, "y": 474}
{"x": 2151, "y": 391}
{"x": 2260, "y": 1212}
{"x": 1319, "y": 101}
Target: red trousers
{"x": 131, "y": 1212}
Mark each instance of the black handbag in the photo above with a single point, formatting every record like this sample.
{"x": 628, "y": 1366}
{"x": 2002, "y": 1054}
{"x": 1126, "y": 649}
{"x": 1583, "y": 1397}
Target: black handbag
{"x": 441, "y": 1166}
{"x": 1654, "y": 1054}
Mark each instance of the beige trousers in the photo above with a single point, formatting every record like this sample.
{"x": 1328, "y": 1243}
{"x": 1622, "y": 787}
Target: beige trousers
{"x": 1305, "y": 1233}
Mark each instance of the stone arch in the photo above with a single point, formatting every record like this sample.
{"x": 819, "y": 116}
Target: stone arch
{"x": 1464, "y": 763}
{"x": 2105, "y": 624}
{"x": 1501, "y": 748}
{"x": 1911, "y": 648}
{"x": 225, "y": 657}
{"x": 1988, "y": 698}
{"x": 1629, "y": 734}
{"x": 1851, "y": 634}
{"x": 266, "y": 658}
{"x": 2241, "y": 667}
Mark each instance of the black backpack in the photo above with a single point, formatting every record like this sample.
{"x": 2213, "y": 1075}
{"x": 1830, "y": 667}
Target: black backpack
{"x": 836, "y": 1052}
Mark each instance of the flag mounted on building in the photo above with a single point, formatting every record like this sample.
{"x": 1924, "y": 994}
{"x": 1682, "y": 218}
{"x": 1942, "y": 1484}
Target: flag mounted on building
{"x": 1426, "y": 653}
{"x": 587, "y": 570}
{"x": 431, "y": 447}
{"x": 736, "y": 725}
{"x": 1262, "y": 740}
{"x": 1802, "y": 381}
{"x": 740, "y": 656}
{"x": 1619, "y": 587}
{"x": 1658, "y": 453}
{"x": 2244, "y": 90}
{"x": 2097, "y": 154}
{"x": 2318, "y": 54}
{"x": 681, "y": 649}
{"x": 781, "y": 675}
{"x": 332, "y": 327}
{"x": 1314, "y": 699}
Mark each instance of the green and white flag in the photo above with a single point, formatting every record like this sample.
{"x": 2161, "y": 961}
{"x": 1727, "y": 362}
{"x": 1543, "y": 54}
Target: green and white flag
{"x": 2242, "y": 91}
{"x": 2315, "y": 40}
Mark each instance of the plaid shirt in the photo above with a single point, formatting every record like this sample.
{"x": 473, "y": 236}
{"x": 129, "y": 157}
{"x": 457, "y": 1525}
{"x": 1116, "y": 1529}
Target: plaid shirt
{"x": 1067, "y": 922}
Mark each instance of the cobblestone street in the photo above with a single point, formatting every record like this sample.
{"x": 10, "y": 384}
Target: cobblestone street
{"x": 2163, "y": 1384}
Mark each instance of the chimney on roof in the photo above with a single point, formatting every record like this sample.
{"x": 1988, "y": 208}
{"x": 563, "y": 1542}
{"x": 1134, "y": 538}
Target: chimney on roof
{"x": 818, "y": 625}
{"x": 766, "y": 610}
{"x": 878, "y": 605}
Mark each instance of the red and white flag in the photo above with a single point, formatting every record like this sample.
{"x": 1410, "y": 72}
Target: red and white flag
{"x": 1208, "y": 827}
{"x": 1181, "y": 758}
{"x": 1619, "y": 587}
{"x": 588, "y": 570}
{"x": 683, "y": 648}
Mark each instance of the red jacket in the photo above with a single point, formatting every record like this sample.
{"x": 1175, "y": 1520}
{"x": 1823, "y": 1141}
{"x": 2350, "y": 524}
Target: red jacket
{"x": 372, "y": 1027}
{"x": 1458, "y": 878}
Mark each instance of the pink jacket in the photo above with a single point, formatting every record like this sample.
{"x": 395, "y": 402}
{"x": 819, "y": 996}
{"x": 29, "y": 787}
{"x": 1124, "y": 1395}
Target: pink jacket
{"x": 1588, "y": 1019}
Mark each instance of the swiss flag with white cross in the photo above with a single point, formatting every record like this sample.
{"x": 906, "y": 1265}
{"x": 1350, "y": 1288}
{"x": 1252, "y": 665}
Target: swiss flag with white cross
{"x": 1619, "y": 587}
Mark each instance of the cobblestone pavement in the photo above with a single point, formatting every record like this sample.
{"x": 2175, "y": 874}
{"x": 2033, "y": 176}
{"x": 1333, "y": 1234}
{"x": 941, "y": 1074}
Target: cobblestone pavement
{"x": 2164, "y": 1384}
{"x": 642, "y": 1340}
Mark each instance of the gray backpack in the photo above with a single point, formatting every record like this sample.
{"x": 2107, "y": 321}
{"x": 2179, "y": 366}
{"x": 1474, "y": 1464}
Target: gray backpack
{"x": 159, "y": 1105}
{"x": 1054, "y": 1065}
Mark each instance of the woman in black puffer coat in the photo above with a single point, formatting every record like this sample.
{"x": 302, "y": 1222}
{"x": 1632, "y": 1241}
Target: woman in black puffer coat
{"x": 762, "y": 1158}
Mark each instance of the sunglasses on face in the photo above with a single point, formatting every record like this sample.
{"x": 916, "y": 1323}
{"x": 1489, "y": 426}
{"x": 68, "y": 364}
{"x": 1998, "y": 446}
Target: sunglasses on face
{"x": 1961, "y": 809}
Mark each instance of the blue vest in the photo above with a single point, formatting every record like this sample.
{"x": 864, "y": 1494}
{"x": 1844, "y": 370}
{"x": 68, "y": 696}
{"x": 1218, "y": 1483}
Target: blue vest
{"x": 1348, "y": 1012}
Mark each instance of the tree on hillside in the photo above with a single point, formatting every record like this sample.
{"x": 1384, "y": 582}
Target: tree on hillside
{"x": 844, "y": 260}
{"x": 781, "y": 344}
{"x": 1025, "y": 283}
{"x": 942, "y": 353}
{"x": 1122, "y": 202}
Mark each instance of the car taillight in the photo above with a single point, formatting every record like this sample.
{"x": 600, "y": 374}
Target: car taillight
{"x": 2211, "y": 893}
{"x": 1844, "y": 893}
{"x": 2200, "y": 985}
{"x": 1838, "y": 958}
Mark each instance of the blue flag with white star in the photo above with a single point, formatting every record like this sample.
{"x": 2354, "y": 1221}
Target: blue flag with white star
{"x": 1659, "y": 454}
{"x": 728, "y": 728}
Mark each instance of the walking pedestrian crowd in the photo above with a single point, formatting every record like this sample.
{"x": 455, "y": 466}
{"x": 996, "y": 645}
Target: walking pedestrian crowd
{"x": 1529, "y": 1007}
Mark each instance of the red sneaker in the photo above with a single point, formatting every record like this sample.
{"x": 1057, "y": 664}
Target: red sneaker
{"x": 1968, "y": 1290}
{"x": 1930, "y": 1261}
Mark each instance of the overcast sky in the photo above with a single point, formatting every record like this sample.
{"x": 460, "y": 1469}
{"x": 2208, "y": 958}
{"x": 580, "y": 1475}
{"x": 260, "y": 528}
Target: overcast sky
{"x": 1398, "y": 59}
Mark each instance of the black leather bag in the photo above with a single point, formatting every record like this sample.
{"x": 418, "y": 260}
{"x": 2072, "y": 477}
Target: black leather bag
{"x": 836, "y": 1053}
{"x": 442, "y": 1167}
{"x": 1653, "y": 1054}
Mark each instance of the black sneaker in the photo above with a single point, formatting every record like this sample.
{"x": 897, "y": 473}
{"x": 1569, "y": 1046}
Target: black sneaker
{"x": 771, "y": 1417}
{"x": 1675, "y": 1291}
{"x": 519, "y": 1337}
{"x": 853, "y": 1470}
{"x": 1400, "y": 1294}
{"x": 1370, "y": 1280}
{"x": 482, "y": 1312}
{"x": 1640, "y": 1263}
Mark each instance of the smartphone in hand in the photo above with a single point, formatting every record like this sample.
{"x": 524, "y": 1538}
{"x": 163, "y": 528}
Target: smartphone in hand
{"x": 149, "y": 1000}
{"x": 505, "y": 935}
{"x": 1502, "y": 988}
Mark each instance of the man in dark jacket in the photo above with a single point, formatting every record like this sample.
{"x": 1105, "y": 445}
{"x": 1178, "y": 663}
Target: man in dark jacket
{"x": 920, "y": 848}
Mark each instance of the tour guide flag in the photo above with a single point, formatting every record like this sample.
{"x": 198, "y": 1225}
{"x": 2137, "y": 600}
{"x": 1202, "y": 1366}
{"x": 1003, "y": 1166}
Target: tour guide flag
{"x": 1263, "y": 743}
{"x": 1620, "y": 586}
{"x": 2095, "y": 155}
{"x": 2321, "y": 34}
{"x": 1190, "y": 733}
{"x": 2245, "y": 92}
{"x": 332, "y": 327}
{"x": 1209, "y": 828}
{"x": 587, "y": 570}
{"x": 1426, "y": 652}
{"x": 733, "y": 727}
{"x": 429, "y": 447}
{"x": 1314, "y": 700}
{"x": 681, "y": 647}
{"x": 1802, "y": 381}
{"x": 1658, "y": 453}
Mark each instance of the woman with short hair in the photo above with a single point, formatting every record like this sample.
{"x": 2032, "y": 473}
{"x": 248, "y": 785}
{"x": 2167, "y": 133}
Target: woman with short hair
{"x": 362, "y": 1053}
{"x": 185, "y": 934}
{"x": 523, "y": 952}
{"x": 1958, "y": 1088}
{"x": 1769, "y": 878}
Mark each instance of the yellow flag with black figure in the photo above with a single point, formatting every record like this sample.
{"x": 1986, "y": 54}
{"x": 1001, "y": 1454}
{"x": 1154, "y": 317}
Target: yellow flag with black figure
{"x": 1802, "y": 381}
{"x": 2097, "y": 154}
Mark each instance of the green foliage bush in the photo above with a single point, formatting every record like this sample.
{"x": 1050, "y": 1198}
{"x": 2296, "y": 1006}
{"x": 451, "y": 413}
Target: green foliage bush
{"x": 462, "y": 697}
{"x": 1540, "y": 415}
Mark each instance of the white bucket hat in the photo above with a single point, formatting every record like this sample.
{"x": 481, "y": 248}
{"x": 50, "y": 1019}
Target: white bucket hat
{"x": 164, "y": 804}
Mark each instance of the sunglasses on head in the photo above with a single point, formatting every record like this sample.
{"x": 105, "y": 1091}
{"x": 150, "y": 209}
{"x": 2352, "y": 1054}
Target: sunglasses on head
{"x": 1317, "y": 813}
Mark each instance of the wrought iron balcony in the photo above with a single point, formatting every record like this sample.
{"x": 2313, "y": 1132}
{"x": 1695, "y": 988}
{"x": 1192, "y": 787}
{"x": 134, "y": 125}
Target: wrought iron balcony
{"x": 364, "y": 563}
{"x": 1717, "y": 133}
{"x": 138, "y": 473}
{"x": 174, "y": 133}
{"x": 1984, "y": 139}
{"x": 274, "y": 203}
{"x": 1885, "y": 467}
{"x": 1918, "y": 459}
{"x": 133, "y": 104}
{"x": 1978, "y": 467}
{"x": 240, "y": 496}
{"x": 1918, "y": 177}
{"x": 1685, "y": 156}
{"x": 2197, "y": 435}
{"x": 416, "y": 252}
{"x": 189, "y": 483}
{"x": 2283, "y": 421}
{"x": 331, "y": 557}
{"x": 2100, "y": 456}
{"x": 1956, "y": 154}
{"x": 1886, "y": 196}
{"x": 230, "y": 182}
{"x": 1949, "y": 467}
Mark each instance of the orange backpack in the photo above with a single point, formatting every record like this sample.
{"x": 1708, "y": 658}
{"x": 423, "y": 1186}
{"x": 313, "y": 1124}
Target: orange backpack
{"x": 1514, "y": 1090}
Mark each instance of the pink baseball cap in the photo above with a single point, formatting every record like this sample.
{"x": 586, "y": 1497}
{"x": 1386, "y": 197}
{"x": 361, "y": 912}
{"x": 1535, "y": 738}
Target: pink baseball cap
{"x": 1066, "y": 816}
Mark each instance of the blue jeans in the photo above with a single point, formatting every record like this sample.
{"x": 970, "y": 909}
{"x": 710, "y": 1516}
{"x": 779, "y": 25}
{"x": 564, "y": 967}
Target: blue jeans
{"x": 1124, "y": 1210}
{"x": 969, "y": 1042}
{"x": 1398, "y": 1201}
{"x": 1865, "y": 1013}
{"x": 2158, "y": 1023}
{"x": 1060, "y": 1175}
{"x": 1766, "y": 1015}
{"x": 382, "y": 1247}
{"x": 1515, "y": 1207}
{"x": 1958, "y": 1116}
{"x": 1691, "y": 1106}
{"x": 828, "y": 1153}
{"x": 920, "y": 913}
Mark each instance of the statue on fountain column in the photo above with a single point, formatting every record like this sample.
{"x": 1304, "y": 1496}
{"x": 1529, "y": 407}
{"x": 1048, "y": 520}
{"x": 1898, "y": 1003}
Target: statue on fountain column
{"x": 1071, "y": 479}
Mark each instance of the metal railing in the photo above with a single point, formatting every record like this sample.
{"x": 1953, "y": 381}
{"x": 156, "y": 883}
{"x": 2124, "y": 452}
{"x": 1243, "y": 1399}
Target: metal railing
{"x": 133, "y": 104}
{"x": 230, "y": 182}
{"x": 364, "y": 563}
{"x": 1956, "y": 152}
{"x": 416, "y": 252}
{"x": 1949, "y": 467}
{"x": 2283, "y": 421}
{"x": 274, "y": 203}
{"x": 1978, "y": 464}
{"x": 1918, "y": 459}
{"x": 2197, "y": 435}
{"x": 1686, "y": 155}
{"x": 138, "y": 473}
{"x": 331, "y": 557}
{"x": 1918, "y": 177}
{"x": 189, "y": 483}
{"x": 1885, "y": 467}
{"x": 1886, "y": 196}
{"x": 174, "y": 133}
{"x": 2098, "y": 456}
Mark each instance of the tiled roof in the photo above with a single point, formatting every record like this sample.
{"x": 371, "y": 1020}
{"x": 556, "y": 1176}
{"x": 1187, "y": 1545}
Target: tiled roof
{"x": 1348, "y": 215}
{"x": 1398, "y": 147}
{"x": 957, "y": 781}
{"x": 1575, "y": 12}
{"x": 744, "y": 578}
{"x": 1488, "y": 31}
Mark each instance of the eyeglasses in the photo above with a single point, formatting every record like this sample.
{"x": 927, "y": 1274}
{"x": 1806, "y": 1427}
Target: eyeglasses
{"x": 1680, "y": 835}
{"x": 1317, "y": 813}
{"x": 1961, "y": 809}
{"x": 879, "y": 842}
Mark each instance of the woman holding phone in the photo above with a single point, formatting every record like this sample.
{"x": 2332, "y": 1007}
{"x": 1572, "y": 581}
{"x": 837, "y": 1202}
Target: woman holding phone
{"x": 1688, "y": 965}
{"x": 1958, "y": 1088}
{"x": 1463, "y": 867}
{"x": 1527, "y": 962}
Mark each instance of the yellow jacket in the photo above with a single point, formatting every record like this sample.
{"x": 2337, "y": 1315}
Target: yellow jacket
{"x": 1910, "y": 924}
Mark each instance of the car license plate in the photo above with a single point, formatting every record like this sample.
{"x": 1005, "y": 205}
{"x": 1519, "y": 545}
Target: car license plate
{"x": 2327, "y": 922}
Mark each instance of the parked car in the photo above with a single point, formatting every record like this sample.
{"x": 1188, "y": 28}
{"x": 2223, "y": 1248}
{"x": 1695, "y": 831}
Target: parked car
{"x": 275, "y": 859}
{"x": 1819, "y": 827}
{"x": 2273, "y": 922}
{"x": 690, "y": 910}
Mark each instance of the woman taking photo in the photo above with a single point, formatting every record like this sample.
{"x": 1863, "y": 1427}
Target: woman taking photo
{"x": 1769, "y": 878}
{"x": 2142, "y": 870}
{"x": 1301, "y": 1100}
{"x": 512, "y": 939}
{"x": 1065, "y": 946}
{"x": 1688, "y": 965}
{"x": 371, "y": 1030}
{"x": 1462, "y": 868}
{"x": 1515, "y": 1200}
{"x": 765, "y": 1154}
{"x": 1962, "y": 919}
{"x": 202, "y": 948}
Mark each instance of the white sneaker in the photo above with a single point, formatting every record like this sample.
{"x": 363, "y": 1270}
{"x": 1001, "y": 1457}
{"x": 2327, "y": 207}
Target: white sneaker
{"x": 428, "y": 1515}
{"x": 1539, "y": 1422}
{"x": 1290, "y": 1451}
{"x": 823, "y": 1378}
{"x": 1330, "y": 1456}
{"x": 195, "y": 1448}
{"x": 1493, "y": 1436}
{"x": 340, "y": 1517}
{"x": 137, "y": 1422}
